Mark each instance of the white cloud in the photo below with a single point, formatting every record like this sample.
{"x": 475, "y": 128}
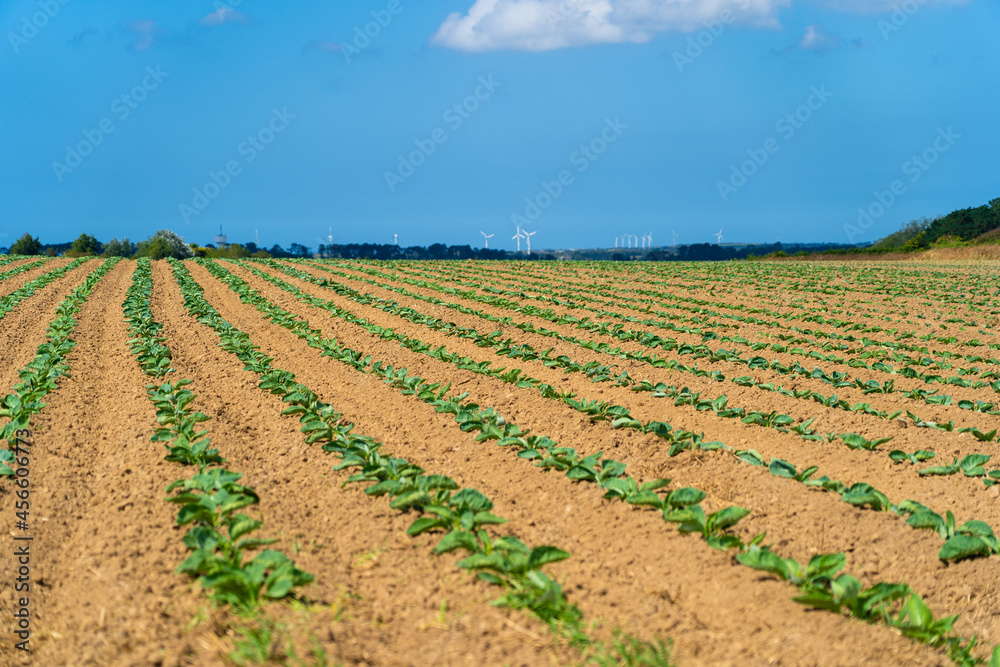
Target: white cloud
{"x": 224, "y": 15}
{"x": 147, "y": 34}
{"x": 542, "y": 25}
{"x": 816, "y": 40}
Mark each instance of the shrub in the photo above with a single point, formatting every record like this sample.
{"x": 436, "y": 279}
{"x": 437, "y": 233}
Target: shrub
{"x": 26, "y": 245}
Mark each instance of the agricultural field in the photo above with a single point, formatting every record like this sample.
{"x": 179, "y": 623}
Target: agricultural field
{"x": 323, "y": 462}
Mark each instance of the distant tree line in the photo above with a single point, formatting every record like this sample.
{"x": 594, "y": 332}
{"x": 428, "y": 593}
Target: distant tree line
{"x": 166, "y": 243}
{"x": 967, "y": 226}
{"x": 160, "y": 245}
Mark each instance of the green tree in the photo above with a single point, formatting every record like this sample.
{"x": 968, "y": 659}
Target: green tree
{"x": 116, "y": 248}
{"x": 165, "y": 243}
{"x": 26, "y": 245}
{"x": 85, "y": 244}
{"x": 156, "y": 248}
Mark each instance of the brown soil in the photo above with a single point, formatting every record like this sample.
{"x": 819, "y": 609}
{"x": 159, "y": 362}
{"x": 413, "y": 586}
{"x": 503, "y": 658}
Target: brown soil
{"x": 609, "y": 589}
{"x": 799, "y": 515}
{"x": 23, "y": 329}
{"x": 639, "y": 370}
{"x": 104, "y": 591}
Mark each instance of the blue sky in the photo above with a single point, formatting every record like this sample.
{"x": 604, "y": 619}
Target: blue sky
{"x": 580, "y": 120}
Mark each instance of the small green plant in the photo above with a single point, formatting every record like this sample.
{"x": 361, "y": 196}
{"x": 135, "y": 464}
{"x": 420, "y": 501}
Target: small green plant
{"x": 218, "y": 539}
{"x": 899, "y": 456}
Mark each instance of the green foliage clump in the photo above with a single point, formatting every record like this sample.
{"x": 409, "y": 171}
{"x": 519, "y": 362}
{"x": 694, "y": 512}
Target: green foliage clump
{"x": 26, "y": 245}
{"x": 85, "y": 244}
{"x": 119, "y": 248}
{"x": 164, "y": 244}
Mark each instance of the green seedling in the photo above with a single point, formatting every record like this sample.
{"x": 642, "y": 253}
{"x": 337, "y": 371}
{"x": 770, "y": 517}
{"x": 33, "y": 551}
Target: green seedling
{"x": 855, "y": 441}
{"x": 862, "y": 494}
{"x": 6, "y": 458}
{"x": 780, "y": 468}
{"x": 899, "y": 456}
{"x": 218, "y": 537}
{"x": 972, "y": 538}
{"x": 693, "y": 520}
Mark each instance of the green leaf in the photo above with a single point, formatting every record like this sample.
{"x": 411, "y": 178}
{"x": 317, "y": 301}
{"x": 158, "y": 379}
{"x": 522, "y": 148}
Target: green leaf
{"x": 645, "y": 498}
{"x": 240, "y": 525}
{"x": 751, "y": 456}
{"x": 825, "y": 566}
{"x": 780, "y": 468}
{"x": 472, "y": 500}
{"x": 919, "y": 614}
{"x": 456, "y": 539}
{"x": 963, "y": 546}
{"x": 411, "y": 499}
{"x": 422, "y": 525}
{"x": 765, "y": 560}
{"x": 543, "y": 555}
{"x": 685, "y": 497}
{"x": 728, "y": 517}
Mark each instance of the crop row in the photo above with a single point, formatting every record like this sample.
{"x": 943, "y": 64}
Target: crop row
{"x": 462, "y": 515}
{"x": 24, "y": 268}
{"x": 617, "y": 299}
{"x": 576, "y": 292}
{"x": 43, "y": 372}
{"x": 744, "y": 277}
{"x": 210, "y": 499}
{"x": 859, "y": 494}
{"x": 603, "y": 373}
{"x": 10, "y": 301}
{"x": 646, "y": 339}
{"x": 836, "y": 593}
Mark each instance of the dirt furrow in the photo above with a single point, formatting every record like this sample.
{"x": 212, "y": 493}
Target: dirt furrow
{"x": 722, "y": 299}
{"x": 833, "y": 458}
{"x": 847, "y": 422}
{"x": 102, "y": 588}
{"x": 23, "y": 329}
{"x": 629, "y": 582}
{"x": 881, "y": 546}
{"x": 379, "y": 596}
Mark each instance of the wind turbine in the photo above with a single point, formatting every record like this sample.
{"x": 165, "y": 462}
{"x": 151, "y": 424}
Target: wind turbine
{"x": 616, "y": 242}
{"x": 628, "y": 239}
{"x": 329, "y": 239}
{"x": 719, "y": 237}
{"x": 527, "y": 237}
{"x": 675, "y": 237}
{"x": 643, "y": 241}
{"x": 395, "y": 239}
{"x": 487, "y": 238}
{"x": 649, "y": 238}
{"x": 518, "y": 236}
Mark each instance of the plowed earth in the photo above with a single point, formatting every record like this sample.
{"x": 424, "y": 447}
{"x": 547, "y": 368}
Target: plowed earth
{"x": 103, "y": 586}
